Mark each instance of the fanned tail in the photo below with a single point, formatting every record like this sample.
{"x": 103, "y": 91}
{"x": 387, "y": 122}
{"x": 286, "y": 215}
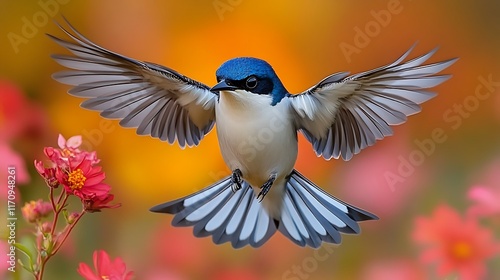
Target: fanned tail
{"x": 309, "y": 215}
{"x": 228, "y": 216}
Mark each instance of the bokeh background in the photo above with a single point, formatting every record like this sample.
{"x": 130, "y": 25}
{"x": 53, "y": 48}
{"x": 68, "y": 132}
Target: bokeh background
{"x": 304, "y": 41}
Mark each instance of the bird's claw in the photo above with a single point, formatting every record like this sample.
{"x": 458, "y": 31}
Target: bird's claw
{"x": 264, "y": 189}
{"x": 236, "y": 180}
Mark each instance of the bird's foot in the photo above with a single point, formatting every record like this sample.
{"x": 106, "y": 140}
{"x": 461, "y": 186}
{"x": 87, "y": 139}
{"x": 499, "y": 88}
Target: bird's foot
{"x": 264, "y": 189}
{"x": 236, "y": 180}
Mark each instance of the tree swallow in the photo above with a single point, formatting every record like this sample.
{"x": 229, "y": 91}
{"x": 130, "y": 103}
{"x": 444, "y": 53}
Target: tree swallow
{"x": 257, "y": 125}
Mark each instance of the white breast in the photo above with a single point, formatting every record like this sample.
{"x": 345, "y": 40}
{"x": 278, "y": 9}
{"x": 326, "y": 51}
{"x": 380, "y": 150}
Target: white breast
{"x": 256, "y": 137}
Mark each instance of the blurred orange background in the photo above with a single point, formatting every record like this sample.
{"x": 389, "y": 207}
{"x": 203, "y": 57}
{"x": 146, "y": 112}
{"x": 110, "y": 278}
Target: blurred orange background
{"x": 304, "y": 41}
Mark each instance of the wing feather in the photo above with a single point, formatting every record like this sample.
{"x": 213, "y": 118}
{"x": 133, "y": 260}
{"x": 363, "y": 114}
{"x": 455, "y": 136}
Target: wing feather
{"x": 152, "y": 98}
{"x": 342, "y": 115}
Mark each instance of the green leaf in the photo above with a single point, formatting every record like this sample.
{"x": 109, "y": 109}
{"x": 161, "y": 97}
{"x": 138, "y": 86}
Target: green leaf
{"x": 23, "y": 249}
{"x": 66, "y": 215}
{"x": 28, "y": 268}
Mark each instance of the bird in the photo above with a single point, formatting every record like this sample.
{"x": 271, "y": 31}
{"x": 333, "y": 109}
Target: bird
{"x": 257, "y": 121}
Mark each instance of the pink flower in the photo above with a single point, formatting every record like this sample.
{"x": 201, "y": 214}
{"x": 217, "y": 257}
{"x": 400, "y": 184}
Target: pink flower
{"x": 34, "y": 211}
{"x": 84, "y": 180}
{"x": 22, "y": 123}
{"x": 12, "y": 158}
{"x": 162, "y": 274}
{"x": 105, "y": 268}
{"x": 174, "y": 250}
{"x": 382, "y": 179}
{"x": 383, "y": 269}
{"x": 20, "y": 118}
{"x": 76, "y": 170}
{"x": 454, "y": 243}
{"x": 69, "y": 151}
{"x": 96, "y": 204}
{"x": 71, "y": 144}
{"x": 487, "y": 201}
{"x": 47, "y": 173}
{"x": 486, "y": 194}
{"x": 241, "y": 273}
{"x": 70, "y": 148}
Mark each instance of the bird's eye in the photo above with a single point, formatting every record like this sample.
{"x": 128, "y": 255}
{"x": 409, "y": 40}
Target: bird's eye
{"x": 251, "y": 82}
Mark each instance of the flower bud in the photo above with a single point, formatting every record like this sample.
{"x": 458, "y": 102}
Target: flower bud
{"x": 72, "y": 217}
{"x": 35, "y": 210}
{"x": 46, "y": 227}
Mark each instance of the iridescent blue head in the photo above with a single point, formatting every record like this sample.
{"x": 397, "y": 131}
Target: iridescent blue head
{"x": 252, "y": 75}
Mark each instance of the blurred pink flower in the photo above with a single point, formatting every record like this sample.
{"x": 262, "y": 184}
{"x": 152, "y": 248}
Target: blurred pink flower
{"x": 454, "y": 243}
{"x": 486, "y": 199}
{"x": 176, "y": 249}
{"x": 240, "y": 273}
{"x": 22, "y": 123}
{"x": 486, "y": 193}
{"x": 105, "y": 268}
{"x": 392, "y": 270}
{"x": 18, "y": 116}
{"x": 161, "y": 274}
{"x": 34, "y": 211}
{"x": 11, "y": 158}
{"x": 382, "y": 179}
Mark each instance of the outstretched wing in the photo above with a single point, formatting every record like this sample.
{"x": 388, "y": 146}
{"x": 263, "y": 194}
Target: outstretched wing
{"x": 156, "y": 100}
{"x": 344, "y": 114}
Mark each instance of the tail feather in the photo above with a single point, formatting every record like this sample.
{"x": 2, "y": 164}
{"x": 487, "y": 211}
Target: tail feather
{"x": 309, "y": 216}
{"x": 228, "y": 216}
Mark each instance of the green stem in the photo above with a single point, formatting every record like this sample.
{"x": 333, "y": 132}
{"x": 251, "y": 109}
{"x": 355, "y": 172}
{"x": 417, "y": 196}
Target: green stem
{"x": 57, "y": 211}
{"x": 67, "y": 232}
{"x": 59, "y": 207}
{"x": 58, "y": 246}
{"x": 52, "y": 199}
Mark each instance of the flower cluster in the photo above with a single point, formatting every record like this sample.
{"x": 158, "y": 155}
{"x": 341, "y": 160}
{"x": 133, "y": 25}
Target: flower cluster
{"x": 77, "y": 172}
{"x": 34, "y": 211}
{"x": 462, "y": 244}
{"x": 455, "y": 243}
{"x": 105, "y": 268}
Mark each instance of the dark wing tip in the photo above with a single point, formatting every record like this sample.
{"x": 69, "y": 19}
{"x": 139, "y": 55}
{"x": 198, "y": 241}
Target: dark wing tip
{"x": 172, "y": 207}
{"x": 360, "y": 215}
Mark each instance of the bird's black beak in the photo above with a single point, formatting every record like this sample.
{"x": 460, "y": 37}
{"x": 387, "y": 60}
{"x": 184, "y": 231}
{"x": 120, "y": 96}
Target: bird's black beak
{"x": 222, "y": 85}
